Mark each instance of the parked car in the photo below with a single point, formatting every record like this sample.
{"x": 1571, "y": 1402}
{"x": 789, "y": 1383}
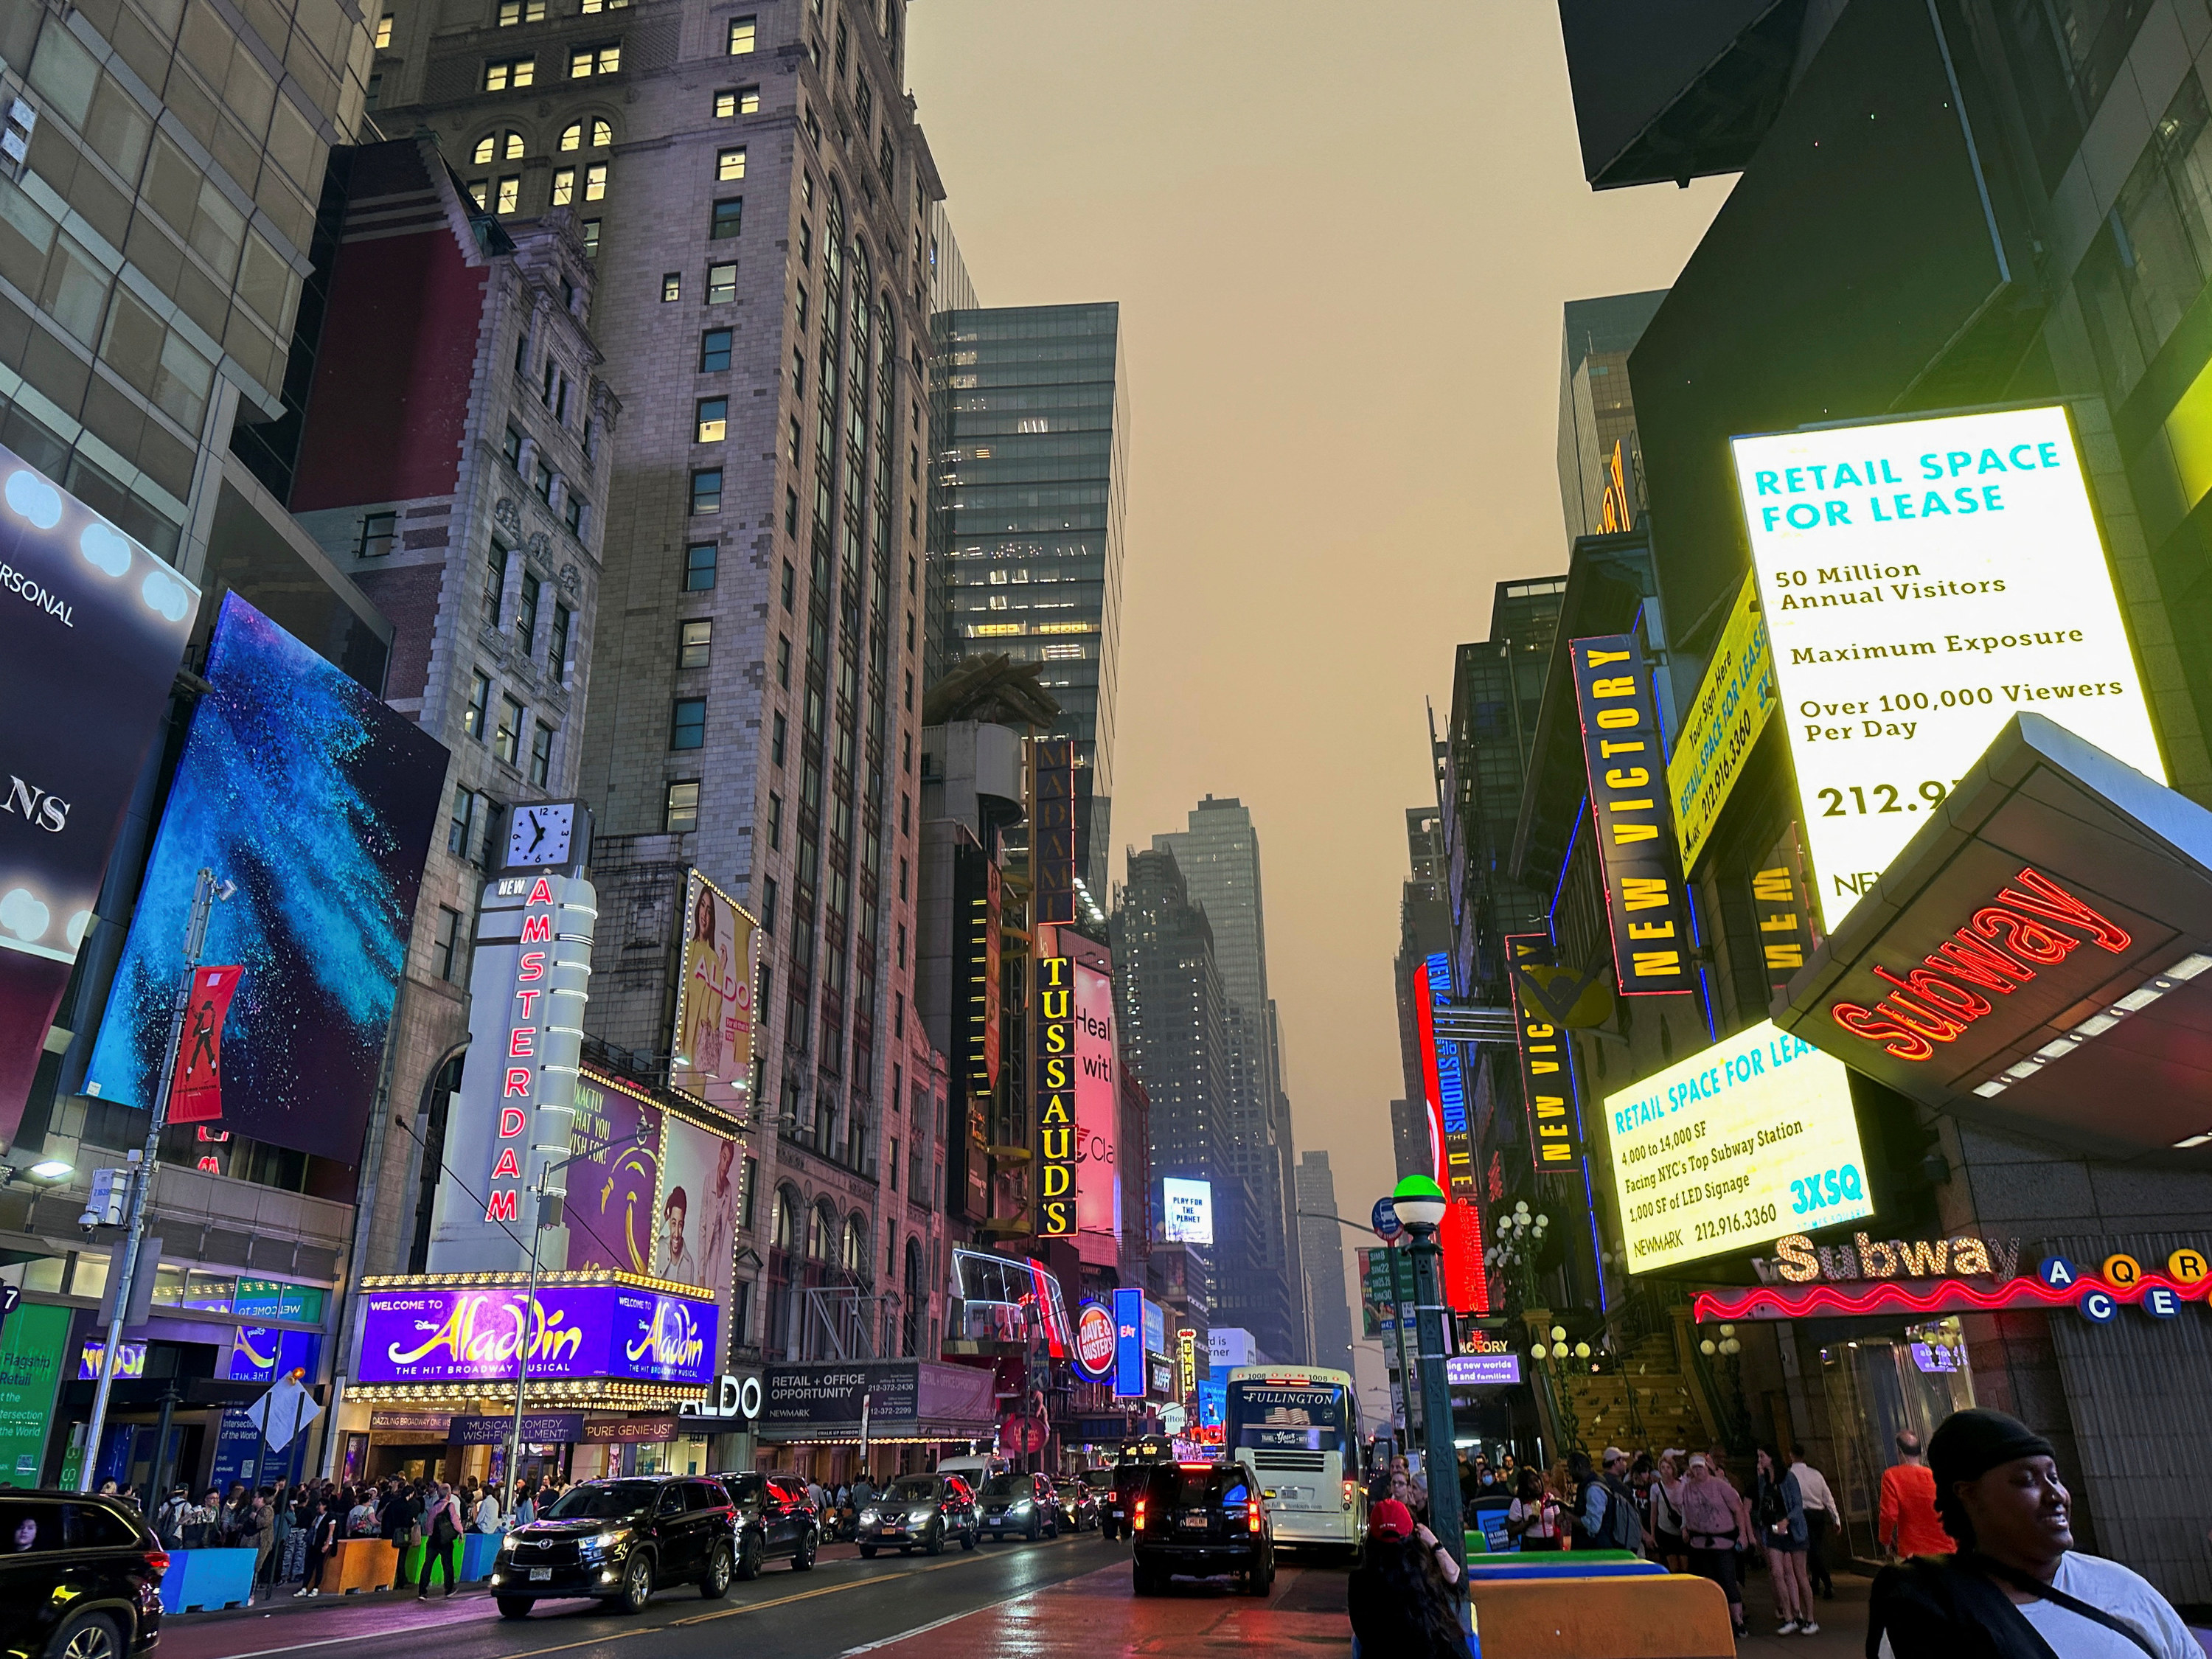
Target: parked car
{"x": 1020, "y": 1504}
{"x": 1202, "y": 1521}
{"x": 774, "y": 1521}
{"x": 80, "y": 1576}
{"x": 617, "y": 1540}
{"x": 1078, "y": 1504}
{"x": 922, "y": 1511}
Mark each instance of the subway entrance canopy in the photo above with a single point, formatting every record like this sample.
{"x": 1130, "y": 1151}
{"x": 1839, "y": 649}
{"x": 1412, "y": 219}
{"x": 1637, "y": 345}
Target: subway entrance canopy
{"x": 2037, "y": 957}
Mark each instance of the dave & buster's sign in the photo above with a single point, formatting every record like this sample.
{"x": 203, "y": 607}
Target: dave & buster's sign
{"x": 2033, "y": 957}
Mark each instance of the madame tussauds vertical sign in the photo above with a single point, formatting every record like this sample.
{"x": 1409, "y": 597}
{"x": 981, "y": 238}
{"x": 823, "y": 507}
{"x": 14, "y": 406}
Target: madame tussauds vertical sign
{"x": 1923, "y": 581}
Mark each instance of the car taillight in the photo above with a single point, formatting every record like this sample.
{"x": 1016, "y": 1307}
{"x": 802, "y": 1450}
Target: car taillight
{"x": 1141, "y": 1512}
{"x": 1252, "y": 1515}
{"x": 1351, "y": 1490}
{"x": 157, "y": 1561}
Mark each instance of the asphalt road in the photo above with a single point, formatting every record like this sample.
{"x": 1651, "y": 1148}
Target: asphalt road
{"x": 843, "y": 1606}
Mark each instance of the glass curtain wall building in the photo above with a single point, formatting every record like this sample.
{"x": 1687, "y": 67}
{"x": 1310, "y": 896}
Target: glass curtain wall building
{"x": 1031, "y": 479}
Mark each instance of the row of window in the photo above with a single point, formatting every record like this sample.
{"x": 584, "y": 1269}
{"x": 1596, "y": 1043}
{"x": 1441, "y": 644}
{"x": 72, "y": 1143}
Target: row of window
{"x": 540, "y": 479}
{"x": 506, "y": 736}
{"x": 721, "y": 285}
{"x": 600, "y": 58}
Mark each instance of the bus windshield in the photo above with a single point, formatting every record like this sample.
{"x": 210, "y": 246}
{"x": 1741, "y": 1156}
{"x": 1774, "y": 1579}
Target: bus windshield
{"x": 1306, "y": 1417}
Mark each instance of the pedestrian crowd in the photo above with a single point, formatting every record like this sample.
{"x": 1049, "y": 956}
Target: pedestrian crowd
{"x": 1977, "y": 1527}
{"x": 294, "y": 1530}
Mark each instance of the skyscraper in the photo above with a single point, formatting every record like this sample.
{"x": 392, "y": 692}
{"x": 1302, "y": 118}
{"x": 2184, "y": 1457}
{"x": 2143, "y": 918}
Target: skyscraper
{"x": 1219, "y": 857}
{"x": 1031, "y": 474}
{"x": 1600, "y": 491}
{"x": 761, "y": 209}
{"x": 1328, "y": 1311}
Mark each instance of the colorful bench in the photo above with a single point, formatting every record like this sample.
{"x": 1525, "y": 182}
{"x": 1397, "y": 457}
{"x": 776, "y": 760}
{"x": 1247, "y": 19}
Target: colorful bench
{"x": 1638, "y": 1615}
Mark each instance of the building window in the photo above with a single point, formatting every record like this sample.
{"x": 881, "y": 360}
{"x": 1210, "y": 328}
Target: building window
{"x": 681, "y": 814}
{"x": 737, "y": 101}
{"x": 564, "y": 186}
{"x": 510, "y": 195}
{"x": 512, "y": 448}
{"x": 541, "y": 754}
{"x": 699, "y": 567}
{"x": 374, "y": 92}
{"x": 556, "y": 654}
{"x": 480, "y": 193}
{"x": 671, "y": 285}
{"x": 744, "y": 35}
{"x": 543, "y": 483}
{"x": 783, "y": 660}
{"x": 595, "y": 181}
{"x": 584, "y": 61}
{"x": 706, "y": 489}
{"x": 591, "y": 240}
{"x": 591, "y": 7}
{"x": 526, "y": 615}
{"x": 727, "y": 214}
{"x": 572, "y": 135}
{"x": 712, "y": 421}
{"x": 687, "y": 723}
{"x": 790, "y": 583}
{"x": 714, "y": 350}
{"x": 505, "y": 74}
{"x": 792, "y": 441}
{"x": 384, "y": 31}
{"x": 506, "y": 742}
{"x": 767, "y": 905}
{"x": 478, "y": 711}
{"x": 446, "y": 943}
{"x": 694, "y": 642}
{"x": 790, "y": 519}
{"x": 777, "y": 735}
{"x": 499, "y": 147}
{"x": 495, "y": 590}
{"x": 378, "y": 533}
{"x": 775, "y": 821}
{"x": 572, "y": 515}
{"x": 730, "y": 164}
{"x": 721, "y": 284}
{"x": 461, "y": 829}
{"x": 799, "y": 371}
{"x": 511, "y": 12}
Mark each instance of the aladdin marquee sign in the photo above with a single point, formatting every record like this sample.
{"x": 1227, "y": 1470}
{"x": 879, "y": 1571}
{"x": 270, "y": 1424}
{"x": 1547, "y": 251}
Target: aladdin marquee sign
{"x": 2033, "y": 957}
{"x": 610, "y": 1331}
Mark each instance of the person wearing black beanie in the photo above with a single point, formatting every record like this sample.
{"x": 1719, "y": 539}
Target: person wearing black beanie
{"x": 2017, "y": 1588}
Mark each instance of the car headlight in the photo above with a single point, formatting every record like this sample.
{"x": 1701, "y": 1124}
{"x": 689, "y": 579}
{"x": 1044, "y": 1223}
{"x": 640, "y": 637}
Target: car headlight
{"x": 869, "y": 1517}
{"x": 919, "y": 1516}
{"x": 1021, "y": 1504}
{"x": 506, "y": 1543}
{"x": 605, "y": 1543}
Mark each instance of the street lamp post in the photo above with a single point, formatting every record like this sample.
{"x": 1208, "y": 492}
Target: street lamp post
{"x": 1421, "y": 1205}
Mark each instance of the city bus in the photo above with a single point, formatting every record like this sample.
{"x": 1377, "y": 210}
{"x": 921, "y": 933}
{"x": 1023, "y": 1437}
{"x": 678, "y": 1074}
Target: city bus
{"x": 1297, "y": 1429}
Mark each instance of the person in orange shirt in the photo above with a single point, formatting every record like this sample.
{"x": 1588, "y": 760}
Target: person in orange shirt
{"x": 1906, "y": 1523}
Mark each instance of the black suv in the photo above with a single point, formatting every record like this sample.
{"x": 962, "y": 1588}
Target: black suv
{"x": 923, "y": 1510}
{"x": 80, "y": 1576}
{"x": 616, "y": 1540}
{"x": 1202, "y": 1519}
{"x": 1021, "y": 1504}
{"x": 773, "y": 1519}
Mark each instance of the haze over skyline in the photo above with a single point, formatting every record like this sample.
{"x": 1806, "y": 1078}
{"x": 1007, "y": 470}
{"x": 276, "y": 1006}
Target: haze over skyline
{"x": 1340, "y": 307}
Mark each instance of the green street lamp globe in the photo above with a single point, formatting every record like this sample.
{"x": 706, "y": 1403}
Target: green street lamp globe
{"x": 1419, "y": 1202}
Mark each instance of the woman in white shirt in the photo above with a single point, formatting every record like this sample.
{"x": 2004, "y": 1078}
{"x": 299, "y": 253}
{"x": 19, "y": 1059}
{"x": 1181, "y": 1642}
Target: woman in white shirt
{"x": 1533, "y": 1514}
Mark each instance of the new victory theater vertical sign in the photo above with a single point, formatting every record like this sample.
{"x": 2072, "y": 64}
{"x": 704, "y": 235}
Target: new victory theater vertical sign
{"x": 517, "y": 1103}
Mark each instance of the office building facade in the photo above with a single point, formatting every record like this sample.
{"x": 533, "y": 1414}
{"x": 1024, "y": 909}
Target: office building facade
{"x": 1329, "y": 1310}
{"x": 759, "y": 203}
{"x": 1032, "y": 472}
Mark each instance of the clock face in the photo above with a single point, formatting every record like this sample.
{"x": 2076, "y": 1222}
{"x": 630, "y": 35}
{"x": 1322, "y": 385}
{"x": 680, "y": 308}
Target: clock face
{"x": 541, "y": 834}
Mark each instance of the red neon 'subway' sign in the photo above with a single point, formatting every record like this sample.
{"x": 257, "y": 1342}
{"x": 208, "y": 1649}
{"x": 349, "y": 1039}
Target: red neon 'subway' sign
{"x": 1999, "y": 950}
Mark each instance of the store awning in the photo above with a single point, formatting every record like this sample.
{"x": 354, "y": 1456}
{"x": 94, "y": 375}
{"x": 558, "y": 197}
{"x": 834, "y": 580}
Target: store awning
{"x": 2037, "y": 956}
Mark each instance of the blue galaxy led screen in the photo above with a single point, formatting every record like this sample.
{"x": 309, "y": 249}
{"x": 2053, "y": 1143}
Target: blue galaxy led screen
{"x": 301, "y": 787}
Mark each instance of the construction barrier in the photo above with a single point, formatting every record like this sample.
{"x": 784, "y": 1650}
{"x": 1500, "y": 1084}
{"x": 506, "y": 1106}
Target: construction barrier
{"x": 1638, "y": 1615}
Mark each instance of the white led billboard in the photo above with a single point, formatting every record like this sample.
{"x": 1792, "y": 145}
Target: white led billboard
{"x": 1187, "y": 1208}
{"x": 1923, "y": 581}
{"x": 1736, "y": 1145}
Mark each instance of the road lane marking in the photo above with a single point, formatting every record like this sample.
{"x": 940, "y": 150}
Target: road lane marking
{"x": 919, "y": 1629}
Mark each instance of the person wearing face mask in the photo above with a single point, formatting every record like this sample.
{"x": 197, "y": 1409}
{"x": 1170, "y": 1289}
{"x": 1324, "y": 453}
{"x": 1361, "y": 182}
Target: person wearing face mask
{"x": 2017, "y": 1588}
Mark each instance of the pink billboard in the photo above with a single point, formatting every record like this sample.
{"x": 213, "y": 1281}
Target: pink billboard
{"x": 1097, "y": 1192}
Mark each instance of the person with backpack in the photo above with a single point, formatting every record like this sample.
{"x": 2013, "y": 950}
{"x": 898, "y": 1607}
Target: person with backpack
{"x": 1713, "y": 1528}
{"x": 443, "y": 1527}
{"x": 1781, "y": 1519}
{"x": 2016, "y": 1587}
{"x": 1605, "y": 1514}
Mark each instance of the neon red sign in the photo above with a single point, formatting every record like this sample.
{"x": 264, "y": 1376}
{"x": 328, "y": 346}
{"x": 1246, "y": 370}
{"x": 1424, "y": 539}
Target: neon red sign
{"x": 1999, "y": 950}
{"x": 1946, "y": 1295}
{"x": 504, "y": 1203}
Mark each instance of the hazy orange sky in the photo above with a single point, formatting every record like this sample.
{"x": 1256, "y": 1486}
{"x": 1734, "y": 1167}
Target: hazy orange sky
{"x": 1341, "y": 239}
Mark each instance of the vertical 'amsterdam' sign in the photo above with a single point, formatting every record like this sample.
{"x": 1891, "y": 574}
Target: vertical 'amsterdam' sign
{"x": 1637, "y": 851}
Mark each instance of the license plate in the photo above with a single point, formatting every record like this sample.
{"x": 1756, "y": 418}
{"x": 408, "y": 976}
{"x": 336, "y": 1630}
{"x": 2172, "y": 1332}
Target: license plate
{"x": 887, "y": 1531}
{"x": 541, "y": 1575}
{"x": 1197, "y": 1521}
